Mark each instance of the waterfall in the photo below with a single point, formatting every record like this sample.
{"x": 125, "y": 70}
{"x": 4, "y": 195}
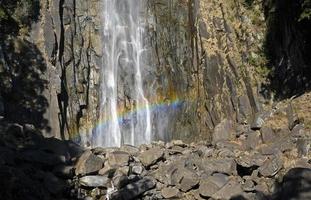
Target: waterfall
{"x": 125, "y": 55}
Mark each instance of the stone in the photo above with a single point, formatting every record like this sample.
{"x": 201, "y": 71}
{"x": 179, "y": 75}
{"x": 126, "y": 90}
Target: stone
{"x": 212, "y": 184}
{"x": 303, "y": 147}
{"x": 252, "y": 141}
{"x": 179, "y": 143}
{"x": 120, "y": 181}
{"x": 88, "y": 163}
{"x": 94, "y": 181}
{"x": 245, "y": 108}
{"x": 170, "y": 192}
{"x": 151, "y": 156}
{"x": 133, "y": 190}
{"x": 118, "y": 158}
{"x": 108, "y": 170}
{"x": 271, "y": 166}
{"x": 231, "y": 189}
{"x": 204, "y": 151}
{"x": 248, "y": 185}
{"x": 188, "y": 179}
{"x": 137, "y": 169}
{"x": 267, "y": 134}
{"x": 292, "y": 117}
{"x": 223, "y": 131}
{"x": 223, "y": 165}
{"x": 132, "y": 150}
{"x": 258, "y": 121}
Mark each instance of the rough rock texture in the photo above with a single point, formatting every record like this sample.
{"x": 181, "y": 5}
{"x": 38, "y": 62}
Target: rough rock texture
{"x": 201, "y": 53}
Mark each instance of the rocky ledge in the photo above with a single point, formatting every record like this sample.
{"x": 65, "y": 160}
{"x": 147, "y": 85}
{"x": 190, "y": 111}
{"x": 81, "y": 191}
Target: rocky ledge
{"x": 253, "y": 164}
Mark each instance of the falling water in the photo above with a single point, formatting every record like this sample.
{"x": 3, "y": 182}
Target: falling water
{"x": 124, "y": 57}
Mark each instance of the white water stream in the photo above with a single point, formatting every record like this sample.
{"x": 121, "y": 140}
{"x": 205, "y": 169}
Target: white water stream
{"x": 124, "y": 57}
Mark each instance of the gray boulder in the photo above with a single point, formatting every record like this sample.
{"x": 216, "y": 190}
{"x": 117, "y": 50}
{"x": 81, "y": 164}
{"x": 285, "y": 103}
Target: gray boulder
{"x": 170, "y": 192}
{"x": 94, "y": 181}
{"x": 151, "y": 156}
{"x": 133, "y": 190}
{"x": 118, "y": 158}
{"x": 88, "y": 163}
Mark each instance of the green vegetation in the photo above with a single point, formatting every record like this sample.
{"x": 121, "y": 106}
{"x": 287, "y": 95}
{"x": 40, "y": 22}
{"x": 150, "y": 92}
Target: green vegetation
{"x": 306, "y": 10}
{"x": 17, "y": 14}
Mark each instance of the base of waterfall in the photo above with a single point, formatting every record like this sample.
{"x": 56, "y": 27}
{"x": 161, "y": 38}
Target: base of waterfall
{"x": 33, "y": 167}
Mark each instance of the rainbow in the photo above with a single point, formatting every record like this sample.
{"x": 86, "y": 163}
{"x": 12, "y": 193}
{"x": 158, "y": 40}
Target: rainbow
{"x": 123, "y": 114}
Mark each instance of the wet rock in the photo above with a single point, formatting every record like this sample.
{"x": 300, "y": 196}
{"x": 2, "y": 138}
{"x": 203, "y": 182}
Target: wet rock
{"x": 118, "y": 158}
{"x": 170, "y": 192}
{"x": 271, "y": 166}
{"x": 133, "y": 190}
{"x": 88, "y": 163}
{"x": 151, "y": 156}
{"x": 94, "y": 181}
{"x": 223, "y": 131}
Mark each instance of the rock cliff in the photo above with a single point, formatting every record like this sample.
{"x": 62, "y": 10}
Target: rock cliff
{"x": 209, "y": 55}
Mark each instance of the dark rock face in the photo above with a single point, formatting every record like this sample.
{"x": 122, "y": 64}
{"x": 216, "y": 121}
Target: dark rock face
{"x": 197, "y": 59}
{"x": 289, "y": 57}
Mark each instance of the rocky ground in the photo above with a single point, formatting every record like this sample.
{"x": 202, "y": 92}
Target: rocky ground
{"x": 268, "y": 159}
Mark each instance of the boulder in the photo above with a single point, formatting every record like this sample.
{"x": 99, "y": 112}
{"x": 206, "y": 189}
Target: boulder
{"x": 292, "y": 117}
{"x": 88, "y": 163}
{"x": 223, "y": 165}
{"x": 271, "y": 166}
{"x": 258, "y": 121}
{"x": 212, "y": 184}
{"x": 231, "y": 189}
{"x": 137, "y": 169}
{"x": 185, "y": 179}
{"x": 170, "y": 192}
{"x": 94, "y": 181}
{"x": 120, "y": 181}
{"x": 151, "y": 156}
{"x": 223, "y": 131}
{"x": 118, "y": 158}
{"x": 267, "y": 134}
{"x": 296, "y": 184}
{"x": 252, "y": 141}
{"x": 133, "y": 190}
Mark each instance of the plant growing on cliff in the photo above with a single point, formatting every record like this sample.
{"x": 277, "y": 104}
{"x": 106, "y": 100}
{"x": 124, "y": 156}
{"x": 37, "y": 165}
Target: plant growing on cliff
{"x": 306, "y": 10}
{"x": 17, "y": 14}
